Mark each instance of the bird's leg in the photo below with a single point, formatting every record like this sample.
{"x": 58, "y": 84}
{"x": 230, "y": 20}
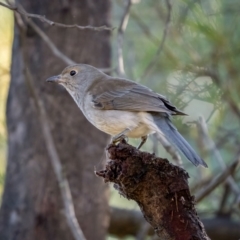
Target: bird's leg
{"x": 120, "y": 136}
{"x": 144, "y": 139}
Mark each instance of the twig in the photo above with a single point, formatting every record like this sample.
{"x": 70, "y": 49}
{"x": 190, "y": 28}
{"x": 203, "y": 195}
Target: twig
{"x": 209, "y": 143}
{"x": 44, "y": 37}
{"x": 62, "y": 181}
{"x": 216, "y": 181}
{"x": 144, "y": 28}
{"x": 224, "y": 200}
{"x": 160, "y": 48}
{"x": 51, "y": 45}
{"x": 199, "y": 185}
{"x": 201, "y": 71}
{"x": 121, "y": 30}
{"x": 52, "y": 152}
{"x": 51, "y": 23}
{"x": 184, "y": 13}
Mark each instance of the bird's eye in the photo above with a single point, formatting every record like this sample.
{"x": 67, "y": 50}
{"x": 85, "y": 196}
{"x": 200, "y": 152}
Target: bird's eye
{"x": 72, "y": 73}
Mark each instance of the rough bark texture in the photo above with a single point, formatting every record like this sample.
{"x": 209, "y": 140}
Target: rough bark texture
{"x": 160, "y": 189}
{"x": 31, "y": 204}
{"x": 125, "y": 222}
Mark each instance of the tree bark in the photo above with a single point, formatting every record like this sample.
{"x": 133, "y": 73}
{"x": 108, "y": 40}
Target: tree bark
{"x": 32, "y": 205}
{"x": 159, "y": 188}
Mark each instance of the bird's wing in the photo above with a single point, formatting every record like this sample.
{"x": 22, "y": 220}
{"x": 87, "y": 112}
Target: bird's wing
{"x": 122, "y": 94}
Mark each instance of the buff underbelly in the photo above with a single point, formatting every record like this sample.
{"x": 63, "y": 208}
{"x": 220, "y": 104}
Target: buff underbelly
{"x": 114, "y": 122}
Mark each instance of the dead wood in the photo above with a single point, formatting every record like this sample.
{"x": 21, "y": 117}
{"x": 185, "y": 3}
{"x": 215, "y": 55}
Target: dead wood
{"x": 160, "y": 189}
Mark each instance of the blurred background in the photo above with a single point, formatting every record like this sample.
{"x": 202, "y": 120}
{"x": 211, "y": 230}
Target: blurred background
{"x": 186, "y": 50}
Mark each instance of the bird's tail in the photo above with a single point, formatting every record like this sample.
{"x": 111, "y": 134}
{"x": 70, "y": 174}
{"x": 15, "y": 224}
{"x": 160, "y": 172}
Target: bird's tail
{"x": 176, "y": 139}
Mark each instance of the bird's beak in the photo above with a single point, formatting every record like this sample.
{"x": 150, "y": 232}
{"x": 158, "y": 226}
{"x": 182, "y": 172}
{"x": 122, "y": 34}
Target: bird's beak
{"x": 54, "y": 79}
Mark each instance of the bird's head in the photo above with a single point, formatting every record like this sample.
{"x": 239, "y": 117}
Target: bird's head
{"x": 76, "y": 77}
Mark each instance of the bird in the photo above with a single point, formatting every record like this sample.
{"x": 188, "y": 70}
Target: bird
{"x": 123, "y": 108}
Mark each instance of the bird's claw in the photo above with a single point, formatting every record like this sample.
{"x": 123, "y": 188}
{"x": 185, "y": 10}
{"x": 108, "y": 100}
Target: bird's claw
{"x": 120, "y": 138}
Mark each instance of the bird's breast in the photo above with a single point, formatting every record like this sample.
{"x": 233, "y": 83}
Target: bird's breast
{"x": 114, "y": 122}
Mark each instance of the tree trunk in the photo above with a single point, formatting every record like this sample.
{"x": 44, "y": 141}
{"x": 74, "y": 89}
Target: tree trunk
{"x": 31, "y": 204}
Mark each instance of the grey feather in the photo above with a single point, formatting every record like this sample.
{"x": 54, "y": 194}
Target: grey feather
{"x": 176, "y": 139}
{"x": 123, "y": 94}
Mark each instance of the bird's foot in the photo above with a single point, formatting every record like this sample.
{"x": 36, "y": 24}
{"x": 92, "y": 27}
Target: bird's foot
{"x": 144, "y": 139}
{"x": 120, "y": 137}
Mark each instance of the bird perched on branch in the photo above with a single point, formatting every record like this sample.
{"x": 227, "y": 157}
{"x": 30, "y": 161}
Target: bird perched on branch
{"x": 123, "y": 108}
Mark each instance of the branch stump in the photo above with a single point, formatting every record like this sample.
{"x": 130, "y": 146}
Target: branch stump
{"x": 160, "y": 189}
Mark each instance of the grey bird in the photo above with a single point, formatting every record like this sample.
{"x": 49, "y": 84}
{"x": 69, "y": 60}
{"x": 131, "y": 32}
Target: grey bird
{"x": 123, "y": 108}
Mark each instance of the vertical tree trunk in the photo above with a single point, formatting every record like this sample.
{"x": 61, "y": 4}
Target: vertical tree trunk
{"x": 31, "y": 204}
